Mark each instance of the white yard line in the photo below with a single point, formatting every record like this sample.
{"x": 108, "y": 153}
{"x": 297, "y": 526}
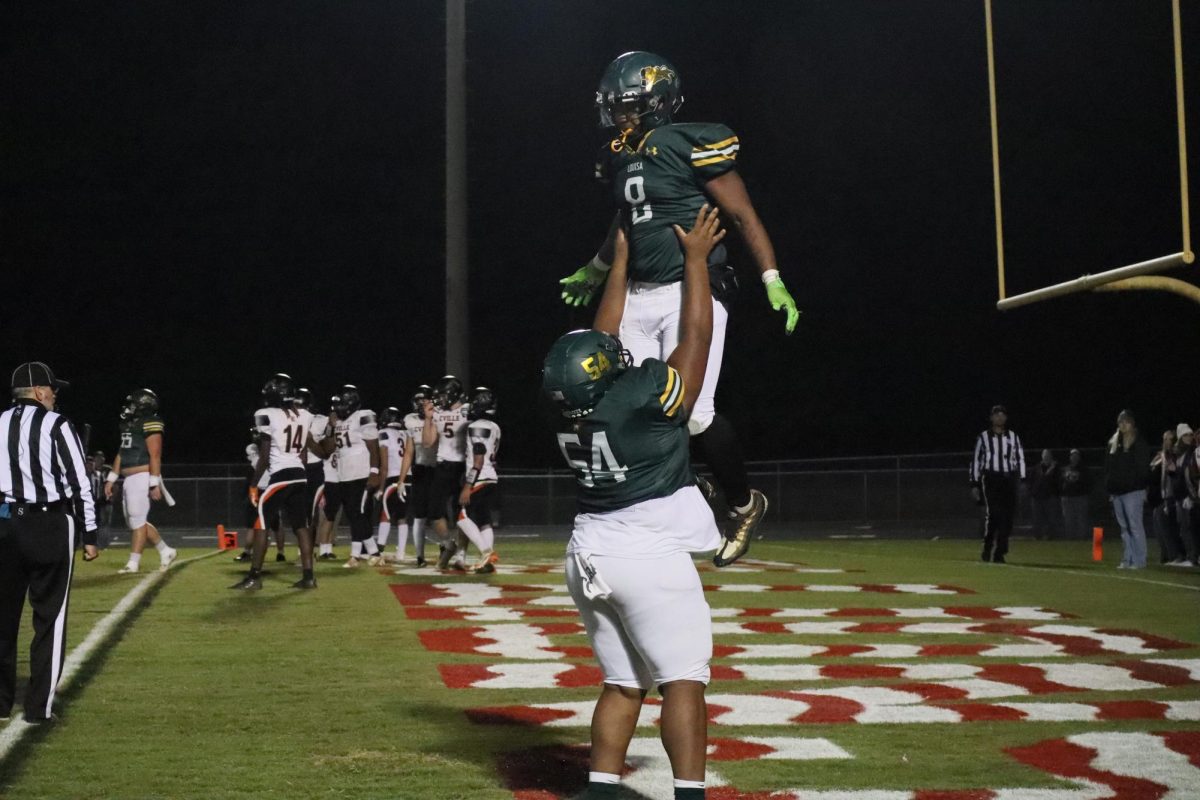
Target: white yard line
{"x": 15, "y": 730}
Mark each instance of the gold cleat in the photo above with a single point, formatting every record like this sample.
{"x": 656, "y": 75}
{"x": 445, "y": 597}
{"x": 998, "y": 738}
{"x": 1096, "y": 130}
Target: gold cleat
{"x": 737, "y": 545}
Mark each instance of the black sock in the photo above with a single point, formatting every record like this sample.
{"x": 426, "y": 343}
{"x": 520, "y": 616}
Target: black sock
{"x": 308, "y": 574}
{"x": 688, "y": 793}
{"x": 602, "y": 791}
{"x": 723, "y": 454}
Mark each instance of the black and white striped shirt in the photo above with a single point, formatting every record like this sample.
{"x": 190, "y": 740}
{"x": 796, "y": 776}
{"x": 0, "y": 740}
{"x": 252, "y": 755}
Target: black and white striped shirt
{"x": 997, "y": 452}
{"x": 41, "y": 461}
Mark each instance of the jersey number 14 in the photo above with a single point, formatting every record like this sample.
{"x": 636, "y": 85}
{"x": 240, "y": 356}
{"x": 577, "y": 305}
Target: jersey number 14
{"x": 595, "y": 464}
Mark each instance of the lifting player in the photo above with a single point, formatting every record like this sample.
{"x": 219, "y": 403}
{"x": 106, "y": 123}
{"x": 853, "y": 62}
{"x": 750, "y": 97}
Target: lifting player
{"x": 479, "y": 495}
{"x": 660, "y": 173}
{"x": 139, "y": 464}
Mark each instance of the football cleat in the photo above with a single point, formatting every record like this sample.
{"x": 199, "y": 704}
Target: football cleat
{"x": 737, "y": 545}
{"x": 446, "y": 552}
{"x": 128, "y": 569}
{"x": 421, "y": 562}
{"x": 243, "y": 556}
{"x": 305, "y": 583}
{"x": 280, "y": 558}
{"x": 249, "y": 583}
{"x": 352, "y": 563}
{"x": 168, "y": 558}
{"x": 375, "y": 560}
{"x": 487, "y": 563}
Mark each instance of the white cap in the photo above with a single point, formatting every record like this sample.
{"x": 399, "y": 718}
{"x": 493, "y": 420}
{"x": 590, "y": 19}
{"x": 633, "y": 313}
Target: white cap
{"x": 1182, "y": 429}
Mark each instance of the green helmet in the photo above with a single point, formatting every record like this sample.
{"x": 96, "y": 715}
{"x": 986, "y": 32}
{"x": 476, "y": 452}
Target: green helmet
{"x": 641, "y": 84}
{"x": 580, "y": 368}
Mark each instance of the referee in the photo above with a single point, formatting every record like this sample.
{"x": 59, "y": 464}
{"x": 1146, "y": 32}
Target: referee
{"x": 45, "y": 501}
{"x": 998, "y": 463}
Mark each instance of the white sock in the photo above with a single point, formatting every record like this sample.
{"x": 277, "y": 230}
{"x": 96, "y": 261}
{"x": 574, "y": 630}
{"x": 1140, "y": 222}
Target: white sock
{"x": 356, "y": 549}
{"x": 418, "y": 534}
{"x": 401, "y": 539}
{"x": 603, "y": 777}
{"x": 162, "y": 546}
{"x": 489, "y": 537}
{"x": 326, "y": 548}
{"x": 135, "y": 559}
{"x": 372, "y": 548}
{"x": 385, "y": 528}
{"x": 471, "y": 531}
{"x": 688, "y": 784}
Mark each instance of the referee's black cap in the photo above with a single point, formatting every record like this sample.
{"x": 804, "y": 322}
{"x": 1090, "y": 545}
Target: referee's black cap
{"x": 999, "y": 409}
{"x": 36, "y": 373}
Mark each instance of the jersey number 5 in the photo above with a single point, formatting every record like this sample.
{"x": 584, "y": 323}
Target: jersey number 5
{"x": 635, "y": 194}
{"x": 603, "y": 468}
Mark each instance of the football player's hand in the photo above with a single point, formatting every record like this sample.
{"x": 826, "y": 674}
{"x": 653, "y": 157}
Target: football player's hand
{"x": 373, "y": 480}
{"x": 580, "y": 286}
{"x": 704, "y": 235}
{"x": 253, "y": 495}
{"x": 464, "y": 497}
{"x": 781, "y": 299}
{"x": 401, "y": 490}
{"x": 426, "y": 408}
{"x": 108, "y": 489}
{"x": 90, "y": 553}
{"x": 156, "y": 493}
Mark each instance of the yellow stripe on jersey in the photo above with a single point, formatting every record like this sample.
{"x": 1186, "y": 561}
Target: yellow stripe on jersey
{"x": 714, "y": 160}
{"x": 672, "y": 398}
{"x": 715, "y": 145}
{"x": 152, "y": 427}
{"x": 671, "y": 373}
{"x": 678, "y": 401}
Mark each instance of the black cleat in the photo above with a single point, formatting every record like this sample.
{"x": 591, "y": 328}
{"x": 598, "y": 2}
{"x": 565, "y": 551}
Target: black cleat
{"x": 421, "y": 562}
{"x": 249, "y": 583}
{"x": 998, "y": 560}
{"x": 737, "y": 545}
{"x": 242, "y": 557}
{"x": 305, "y": 583}
{"x": 280, "y": 558}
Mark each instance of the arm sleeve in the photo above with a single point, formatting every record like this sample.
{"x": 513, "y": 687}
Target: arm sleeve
{"x": 1019, "y": 454}
{"x": 69, "y": 454}
{"x": 975, "y": 457}
{"x": 714, "y": 151}
{"x": 152, "y": 426}
{"x": 667, "y": 390}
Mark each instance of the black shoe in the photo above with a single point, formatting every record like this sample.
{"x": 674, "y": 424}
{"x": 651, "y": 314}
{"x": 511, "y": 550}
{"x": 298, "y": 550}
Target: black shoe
{"x": 305, "y": 583}
{"x": 41, "y": 720}
{"x": 986, "y": 556}
{"x": 420, "y": 562}
{"x": 326, "y": 557}
{"x": 248, "y": 583}
{"x": 998, "y": 560}
{"x": 280, "y": 558}
{"x": 243, "y": 557}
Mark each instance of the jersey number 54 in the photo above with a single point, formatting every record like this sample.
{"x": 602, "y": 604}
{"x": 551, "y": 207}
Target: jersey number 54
{"x": 594, "y": 462}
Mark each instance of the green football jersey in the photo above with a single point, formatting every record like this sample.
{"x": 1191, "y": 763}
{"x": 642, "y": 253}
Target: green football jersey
{"x": 660, "y": 183}
{"x": 134, "y": 432}
{"x": 634, "y": 445}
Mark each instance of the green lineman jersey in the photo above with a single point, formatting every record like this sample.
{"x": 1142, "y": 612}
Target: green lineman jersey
{"x": 134, "y": 433}
{"x": 634, "y": 445}
{"x": 660, "y": 183}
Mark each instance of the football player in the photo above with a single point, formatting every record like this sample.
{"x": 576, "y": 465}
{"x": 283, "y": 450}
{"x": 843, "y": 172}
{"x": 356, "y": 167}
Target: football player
{"x": 317, "y": 469}
{"x": 478, "y": 496}
{"x": 285, "y": 435}
{"x": 393, "y": 443}
{"x": 446, "y": 429}
{"x": 254, "y": 488}
{"x": 421, "y": 460}
{"x": 139, "y": 464}
{"x": 641, "y": 516}
{"x": 328, "y": 498}
{"x": 660, "y": 172}
{"x": 356, "y": 437}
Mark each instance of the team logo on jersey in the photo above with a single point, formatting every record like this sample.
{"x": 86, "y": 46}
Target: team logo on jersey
{"x": 653, "y": 75}
{"x": 595, "y": 366}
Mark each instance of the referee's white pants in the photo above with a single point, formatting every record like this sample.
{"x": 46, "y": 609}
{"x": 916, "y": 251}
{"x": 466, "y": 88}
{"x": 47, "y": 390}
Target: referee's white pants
{"x": 650, "y": 329}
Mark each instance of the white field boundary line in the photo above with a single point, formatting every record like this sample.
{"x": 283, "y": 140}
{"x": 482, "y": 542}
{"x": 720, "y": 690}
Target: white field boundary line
{"x": 1060, "y": 570}
{"x": 18, "y": 727}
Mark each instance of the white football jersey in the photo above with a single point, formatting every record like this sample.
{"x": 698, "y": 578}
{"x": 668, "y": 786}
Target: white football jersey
{"x": 353, "y": 457}
{"x": 288, "y": 430}
{"x": 414, "y": 426}
{"x": 452, "y": 433}
{"x": 484, "y": 435}
{"x": 392, "y": 440}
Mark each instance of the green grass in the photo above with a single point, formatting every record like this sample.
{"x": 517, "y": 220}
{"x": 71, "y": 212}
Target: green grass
{"x": 207, "y": 693}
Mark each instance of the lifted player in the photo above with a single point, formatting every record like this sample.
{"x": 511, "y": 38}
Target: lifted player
{"x": 393, "y": 447}
{"x": 139, "y": 464}
{"x": 284, "y": 436}
{"x": 421, "y": 460}
{"x": 478, "y": 496}
{"x": 356, "y": 437}
{"x": 660, "y": 172}
{"x": 446, "y": 429}
{"x": 629, "y": 565}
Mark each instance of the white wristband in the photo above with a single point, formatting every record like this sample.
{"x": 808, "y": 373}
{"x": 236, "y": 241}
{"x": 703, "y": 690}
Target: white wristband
{"x": 770, "y": 275}
{"x": 111, "y": 477}
{"x": 598, "y": 264}
{"x": 374, "y": 470}
{"x": 155, "y": 480}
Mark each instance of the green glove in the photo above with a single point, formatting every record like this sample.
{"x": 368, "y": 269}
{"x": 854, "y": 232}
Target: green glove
{"x": 579, "y": 286}
{"x": 778, "y": 297}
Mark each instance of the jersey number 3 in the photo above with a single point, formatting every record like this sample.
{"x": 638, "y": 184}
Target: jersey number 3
{"x": 601, "y": 469}
{"x": 635, "y": 194}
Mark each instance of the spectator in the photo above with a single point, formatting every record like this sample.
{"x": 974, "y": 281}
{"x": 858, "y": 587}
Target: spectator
{"x": 1047, "y": 510}
{"x": 1187, "y": 499}
{"x": 1075, "y": 489}
{"x": 1162, "y": 491}
{"x": 1126, "y": 476}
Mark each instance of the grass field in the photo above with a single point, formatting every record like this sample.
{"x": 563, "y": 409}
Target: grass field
{"x": 905, "y": 669}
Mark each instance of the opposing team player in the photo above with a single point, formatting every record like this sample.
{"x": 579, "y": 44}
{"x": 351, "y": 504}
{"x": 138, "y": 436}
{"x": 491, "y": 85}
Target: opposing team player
{"x": 285, "y": 435}
{"x": 139, "y": 464}
{"x": 314, "y": 463}
{"x": 355, "y": 434}
{"x": 478, "y": 496}
{"x": 328, "y": 499}
{"x": 660, "y": 172}
{"x": 629, "y": 566}
{"x": 420, "y": 461}
{"x": 446, "y": 429}
{"x": 393, "y": 446}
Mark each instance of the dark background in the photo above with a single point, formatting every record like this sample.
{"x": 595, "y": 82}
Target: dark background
{"x": 199, "y": 194}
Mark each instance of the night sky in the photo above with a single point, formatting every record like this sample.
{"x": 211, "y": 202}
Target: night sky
{"x": 199, "y": 194}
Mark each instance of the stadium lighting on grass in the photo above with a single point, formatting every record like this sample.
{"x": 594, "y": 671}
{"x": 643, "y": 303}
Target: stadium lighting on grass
{"x": 1124, "y": 278}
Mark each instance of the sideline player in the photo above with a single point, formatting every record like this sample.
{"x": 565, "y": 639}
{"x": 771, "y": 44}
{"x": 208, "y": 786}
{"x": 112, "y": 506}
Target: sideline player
{"x": 317, "y": 470}
{"x": 641, "y": 516}
{"x": 139, "y": 465}
{"x": 478, "y": 496}
{"x": 254, "y": 487}
{"x": 446, "y": 429}
{"x": 421, "y": 460}
{"x": 660, "y": 172}
{"x": 331, "y": 498}
{"x": 285, "y": 434}
{"x": 393, "y": 447}
{"x": 356, "y": 437}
